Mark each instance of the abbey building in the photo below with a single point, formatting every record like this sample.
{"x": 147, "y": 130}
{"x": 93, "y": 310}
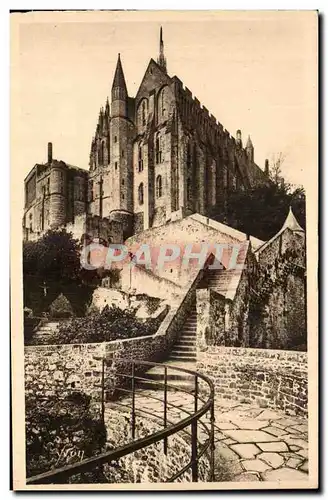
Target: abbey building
{"x": 156, "y": 157}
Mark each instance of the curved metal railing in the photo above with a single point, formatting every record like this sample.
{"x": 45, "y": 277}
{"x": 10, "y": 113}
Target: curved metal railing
{"x": 128, "y": 385}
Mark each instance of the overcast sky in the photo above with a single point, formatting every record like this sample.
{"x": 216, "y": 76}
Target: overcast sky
{"x": 253, "y": 71}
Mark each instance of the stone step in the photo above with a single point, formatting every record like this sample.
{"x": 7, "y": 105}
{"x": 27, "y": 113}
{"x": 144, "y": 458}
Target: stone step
{"x": 175, "y": 385}
{"x": 188, "y": 336}
{"x": 176, "y": 357}
{"x": 183, "y": 354}
{"x": 157, "y": 372}
{"x": 184, "y": 348}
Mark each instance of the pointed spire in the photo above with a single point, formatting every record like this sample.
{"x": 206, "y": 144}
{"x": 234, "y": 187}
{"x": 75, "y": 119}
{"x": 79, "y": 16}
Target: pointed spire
{"x": 107, "y": 107}
{"x": 250, "y": 149}
{"x": 249, "y": 143}
{"x": 161, "y": 61}
{"x": 291, "y": 222}
{"x": 119, "y": 80}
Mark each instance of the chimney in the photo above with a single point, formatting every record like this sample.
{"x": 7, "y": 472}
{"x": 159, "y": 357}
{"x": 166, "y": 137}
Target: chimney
{"x": 266, "y": 167}
{"x": 49, "y": 152}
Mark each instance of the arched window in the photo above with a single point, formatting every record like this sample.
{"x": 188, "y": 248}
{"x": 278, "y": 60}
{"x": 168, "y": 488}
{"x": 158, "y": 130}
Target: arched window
{"x": 101, "y": 154}
{"x": 162, "y": 105}
{"x": 159, "y": 188}
{"x": 158, "y": 149}
{"x": 189, "y": 190}
{"x": 90, "y": 190}
{"x": 142, "y": 112}
{"x": 140, "y": 160}
{"x": 141, "y": 194}
{"x": 188, "y": 156}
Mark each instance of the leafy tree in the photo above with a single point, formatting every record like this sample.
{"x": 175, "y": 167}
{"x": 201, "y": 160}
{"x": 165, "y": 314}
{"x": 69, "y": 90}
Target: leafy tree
{"x": 54, "y": 257}
{"x": 262, "y": 211}
{"x": 51, "y": 266}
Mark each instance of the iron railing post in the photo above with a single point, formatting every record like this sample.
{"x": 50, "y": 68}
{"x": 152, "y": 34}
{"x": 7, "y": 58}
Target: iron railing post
{"x": 194, "y": 459}
{"x": 133, "y": 416}
{"x": 212, "y": 445}
{"x": 165, "y": 407}
{"x": 103, "y": 392}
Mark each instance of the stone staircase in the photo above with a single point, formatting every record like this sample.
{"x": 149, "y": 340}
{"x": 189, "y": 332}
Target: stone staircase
{"x": 45, "y": 330}
{"x": 183, "y": 355}
{"x": 217, "y": 279}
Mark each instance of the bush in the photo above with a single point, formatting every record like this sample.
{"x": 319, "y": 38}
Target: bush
{"x": 58, "y": 424}
{"x": 111, "y": 324}
{"x": 61, "y": 308}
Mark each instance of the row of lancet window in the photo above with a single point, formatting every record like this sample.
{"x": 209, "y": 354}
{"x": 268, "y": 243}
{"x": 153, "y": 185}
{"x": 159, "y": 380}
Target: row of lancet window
{"x": 159, "y": 190}
{"x": 158, "y": 154}
{"x": 161, "y": 108}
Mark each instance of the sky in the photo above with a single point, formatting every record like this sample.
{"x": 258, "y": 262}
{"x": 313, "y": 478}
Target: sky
{"x": 254, "y": 71}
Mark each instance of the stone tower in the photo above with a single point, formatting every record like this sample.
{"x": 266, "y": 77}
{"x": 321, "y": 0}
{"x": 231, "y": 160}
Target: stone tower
{"x": 57, "y": 191}
{"x": 121, "y": 146}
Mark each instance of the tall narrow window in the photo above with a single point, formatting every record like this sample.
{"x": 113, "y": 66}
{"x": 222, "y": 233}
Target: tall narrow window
{"x": 158, "y": 149}
{"x": 140, "y": 160}
{"x": 141, "y": 194}
{"x": 144, "y": 112}
{"x": 102, "y": 153}
{"x": 159, "y": 186}
{"x": 162, "y": 110}
{"x": 162, "y": 104}
{"x": 189, "y": 190}
{"x": 188, "y": 156}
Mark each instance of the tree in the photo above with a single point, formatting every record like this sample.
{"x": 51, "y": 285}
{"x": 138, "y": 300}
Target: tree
{"x": 51, "y": 266}
{"x": 275, "y": 172}
{"x": 262, "y": 211}
{"x": 55, "y": 256}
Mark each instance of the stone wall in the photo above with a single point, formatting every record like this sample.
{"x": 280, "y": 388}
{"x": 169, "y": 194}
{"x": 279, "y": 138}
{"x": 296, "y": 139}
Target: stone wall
{"x": 278, "y": 302}
{"x": 50, "y": 369}
{"x": 211, "y": 317}
{"x": 149, "y": 464}
{"x": 139, "y": 280}
{"x": 268, "y": 378}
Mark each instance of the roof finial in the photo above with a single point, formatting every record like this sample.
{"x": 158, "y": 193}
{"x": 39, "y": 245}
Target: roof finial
{"x": 291, "y": 221}
{"x": 119, "y": 80}
{"x": 161, "y": 59}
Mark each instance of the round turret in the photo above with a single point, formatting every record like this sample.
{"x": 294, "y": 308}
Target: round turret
{"x": 125, "y": 218}
{"x": 57, "y": 194}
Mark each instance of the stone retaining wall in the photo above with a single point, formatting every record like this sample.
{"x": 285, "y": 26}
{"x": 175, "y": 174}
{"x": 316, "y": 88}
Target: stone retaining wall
{"x": 268, "y": 378}
{"x": 149, "y": 464}
{"x": 53, "y": 369}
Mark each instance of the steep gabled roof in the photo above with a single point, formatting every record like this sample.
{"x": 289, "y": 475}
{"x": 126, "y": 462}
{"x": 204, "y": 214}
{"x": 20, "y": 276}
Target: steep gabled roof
{"x": 155, "y": 74}
{"x": 290, "y": 223}
{"x": 230, "y": 231}
{"x": 119, "y": 79}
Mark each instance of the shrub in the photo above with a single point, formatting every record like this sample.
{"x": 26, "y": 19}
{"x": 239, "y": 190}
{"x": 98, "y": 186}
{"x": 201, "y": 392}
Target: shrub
{"x": 60, "y": 431}
{"x": 111, "y": 324}
{"x": 61, "y": 308}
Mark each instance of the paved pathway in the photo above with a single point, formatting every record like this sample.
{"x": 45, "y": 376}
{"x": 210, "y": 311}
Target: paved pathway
{"x": 252, "y": 444}
{"x": 261, "y": 444}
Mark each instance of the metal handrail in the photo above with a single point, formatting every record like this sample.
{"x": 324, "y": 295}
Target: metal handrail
{"x": 90, "y": 464}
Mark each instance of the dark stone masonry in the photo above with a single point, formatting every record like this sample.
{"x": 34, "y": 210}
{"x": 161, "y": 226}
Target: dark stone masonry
{"x": 268, "y": 378}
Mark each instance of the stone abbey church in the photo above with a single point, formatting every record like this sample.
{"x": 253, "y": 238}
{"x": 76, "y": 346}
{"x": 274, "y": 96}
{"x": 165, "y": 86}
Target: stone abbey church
{"x": 155, "y": 158}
